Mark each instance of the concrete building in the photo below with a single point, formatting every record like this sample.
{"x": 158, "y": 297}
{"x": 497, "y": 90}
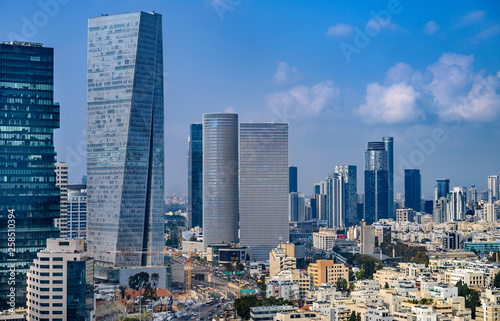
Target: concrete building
{"x": 488, "y": 312}
{"x": 326, "y": 271}
{"x": 58, "y": 283}
{"x": 378, "y": 314}
{"x": 405, "y": 215}
{"x": 367, "y": 238}
{"x": 300, "y": 316}
{"x": 285, "y": 289}
{"x": 266, "y": 313}
{"x": 280, "y": 261}
{"x": 467, "y": 276}
{"x": 493, "y": 189}
{"x": 263, "y": 216}
{"x": 220, "y": 178}
{"x": 77, "y": 211}
{"x": 324, "y": 239}
{"x": 456, "y": 204}
{"x": 62, "y": 183}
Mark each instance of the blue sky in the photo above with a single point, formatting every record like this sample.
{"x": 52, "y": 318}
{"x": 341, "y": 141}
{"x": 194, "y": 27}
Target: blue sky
{"x": 341, "y": 73}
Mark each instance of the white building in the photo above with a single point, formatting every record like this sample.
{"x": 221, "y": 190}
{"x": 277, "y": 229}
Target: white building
{"x": 467, "y": 276}
{"x": 444, "y": 291}
{"x": 55, "y": 282}
{"x": 77, "y": 211}
{"x": 62, "y": 183}
{"x": 324, "y": 239}
{"x": 456, "y": 207}
{"x": 378, "y": 314}
{"x": 287, "y": 290}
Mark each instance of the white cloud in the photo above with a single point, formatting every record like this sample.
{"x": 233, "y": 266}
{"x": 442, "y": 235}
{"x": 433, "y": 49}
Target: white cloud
{"x": 472, "y": 17}
{"x": 301, "y": 100}
{"x": 229, "y": 110}
{"x": 451, "y": 74}
{"x": 340, "y": 30}
{"x": 450, "y": 89}
{"x": 487, "y": 33}
{"x": 431, "y": 28}
{"x": 392, "y": 104}
{"x": 286, "y": 74}
{"x": 400, "y": 72}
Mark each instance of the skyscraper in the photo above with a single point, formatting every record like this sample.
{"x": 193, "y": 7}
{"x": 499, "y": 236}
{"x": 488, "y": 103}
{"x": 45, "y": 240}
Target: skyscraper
{"x": 62, "y": 183}
{"x": 195, "y": 176}
{"x": 456, "y": 204}
{"x": 293, "y": 187}
{"x": 29, "y": 198}
{"x": 348, "y": 173}
{"x": 220, "y": 178}
{"x": 493, "y": 193}
{"x": 125, "y": 155}
{"x": 442, "y": 188}
{"x": 263, "y": 187}
{"x": 335, "y": 211}
{"x": 376, "y": 182}
{"x": 413, "y": 191}
{"x": 296, "y": 207}
{"x": 388, "y": 143}
{"x": 77, "y": 211}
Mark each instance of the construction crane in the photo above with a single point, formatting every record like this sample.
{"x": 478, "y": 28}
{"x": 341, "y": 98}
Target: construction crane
{"x": 188, "y": 289}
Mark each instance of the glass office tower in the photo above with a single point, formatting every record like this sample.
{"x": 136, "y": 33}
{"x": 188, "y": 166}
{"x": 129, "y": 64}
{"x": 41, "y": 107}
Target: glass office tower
{"x": 29, "y": 198}
{"x": 195, "y": 176}
{"x": 220, "y": 178}
{"x": 389, "y": 148}
{"x": 293, "y": 180}
{"x": 263, "y": 187}
{"x": 413, "y": 192}
{"x": 348, "y": 173}
{"x": 125, "y": 155}
{"x": 376, "y": 183}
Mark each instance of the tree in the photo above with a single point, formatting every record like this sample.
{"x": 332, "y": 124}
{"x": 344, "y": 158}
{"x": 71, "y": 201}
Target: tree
{"x": 496, "y": 280}
{"x": 351, "y": 275}
{"x": 243, "y": 304}
{"x": 353, "y": 316}
{"x": 421, "y": 258}
{"x": 122, "y": 288}
{"x": 473, "y": 301}
{"x": 138, "y": 282}
{"x": 360, "y": 275}
{"x": 386, "y": 285}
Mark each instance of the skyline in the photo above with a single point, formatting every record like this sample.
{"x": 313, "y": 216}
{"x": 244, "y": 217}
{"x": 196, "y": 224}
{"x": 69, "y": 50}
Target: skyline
{"x": 290, "y": 67}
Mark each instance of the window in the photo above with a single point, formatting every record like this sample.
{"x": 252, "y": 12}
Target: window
{"x": 57, "y": 274}
{"x": 57, "y": 297}
{"x": 57, "y": 267}
{"x": 63, "y": 243}
{"x": 45, "y": 259}
{"x": 45, "y": 274}
{"x": 44, "y": 281}
{"x": 57, "y": 289}
{"x": 56, "y": 312}
{"x": 45, "y": 266}
{"x": 57, "y": 304}
{"x": 57, "y": 282}
{"x": 57, "y": 259}
{"x": 44, "y": 297}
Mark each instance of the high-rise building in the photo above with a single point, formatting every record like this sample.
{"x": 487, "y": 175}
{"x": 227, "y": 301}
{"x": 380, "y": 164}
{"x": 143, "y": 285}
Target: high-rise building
{"x": 293, "y": 180}
{"x": 61, "y": 283}
{"x": 77, "y": 211}
{"x": 62, "y": 183}
{"x": 376, "y": 182}
{"x": 317, "y": 188}
{"x": 296, "y": 207}
{"x": 413, "y": 191}
{"x": 456, "y": 204}
{"x": 388, "y": 143}
{"x": 125, "y": 154}
{"x": 29, "y": 198}
{"x": 472, "y": 196}
{"x": 263, "y": 187}
{"x": 335, "y": 211}
{"x": 348, "y": 173}
{"x": 220, "y": 178}
{"x": 442, "y": 188}
{"x": 493, "y": 193}
{"x": 318, "y": 205}
{"x": 195, "y": 176}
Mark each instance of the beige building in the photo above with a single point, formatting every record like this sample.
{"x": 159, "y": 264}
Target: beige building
{"x": 62, "y": 183}
{"x": 325, "y": 271}
{"x": 324, "y": 239}
{"x": 386, "y": 275}
{"x": 488, "y": 312}
{"x": 280, "y": 261}
{"x": 300, "y": 316}
{"x": 469, "y": 277}
{"x": 62, "y": 266}
{"x": 405, "y": 215}
{"x": 367, "y": 238}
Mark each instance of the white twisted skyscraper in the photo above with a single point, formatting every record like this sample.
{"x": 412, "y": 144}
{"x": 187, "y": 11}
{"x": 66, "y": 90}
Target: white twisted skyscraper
{"x": 125, "y": 157}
